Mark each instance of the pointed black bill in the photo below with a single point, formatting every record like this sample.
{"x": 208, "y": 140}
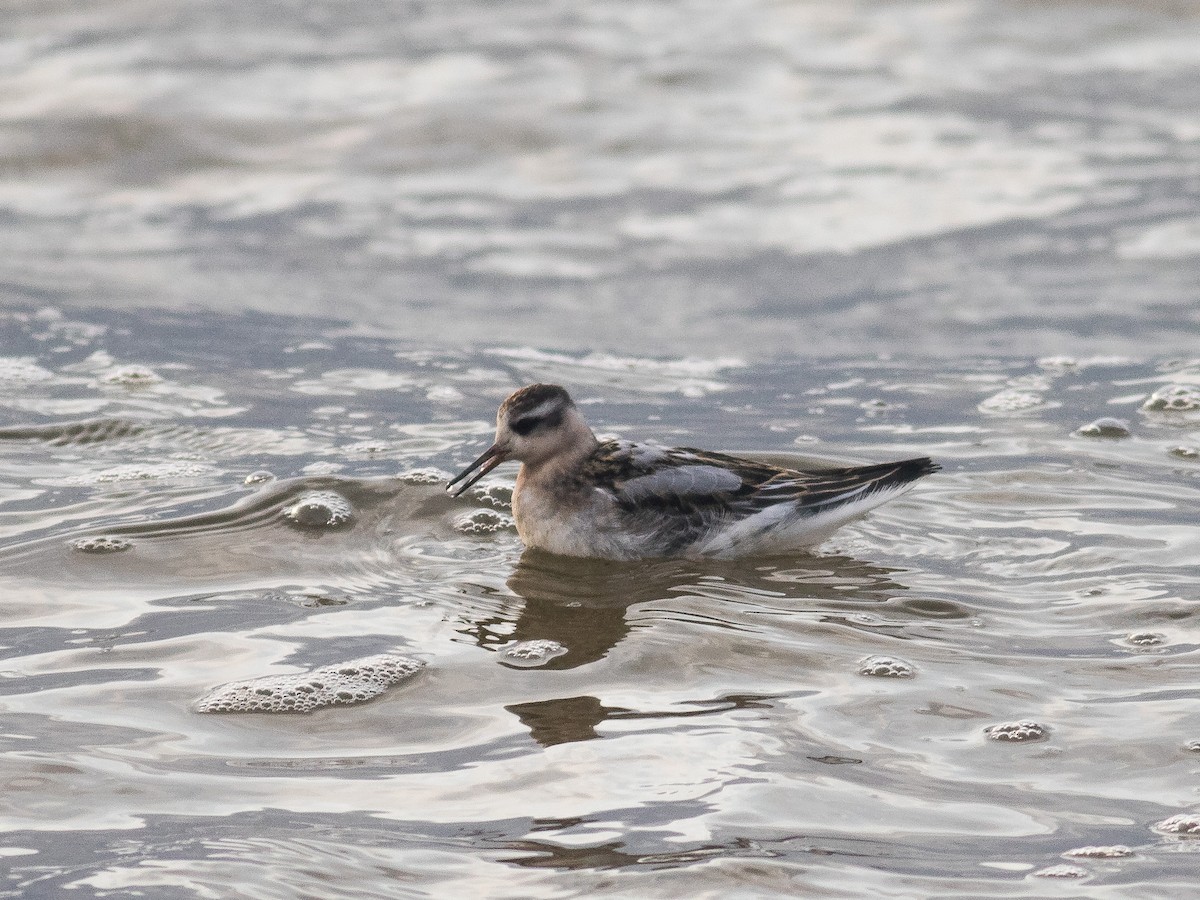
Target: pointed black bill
{"x": 491, "y": 458}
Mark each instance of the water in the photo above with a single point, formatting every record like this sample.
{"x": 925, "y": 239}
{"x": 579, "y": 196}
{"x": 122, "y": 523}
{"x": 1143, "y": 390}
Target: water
{"x": 680, "y": 727}
{"x": 748, "y": 177}
{"x": 862, "y": 232}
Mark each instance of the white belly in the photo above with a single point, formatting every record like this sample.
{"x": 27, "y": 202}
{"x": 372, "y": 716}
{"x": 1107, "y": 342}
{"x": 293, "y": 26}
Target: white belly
{"x": 546, "y": 522}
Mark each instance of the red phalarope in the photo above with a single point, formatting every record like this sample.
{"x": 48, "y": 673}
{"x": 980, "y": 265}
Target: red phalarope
{"x": 615, "y": 499}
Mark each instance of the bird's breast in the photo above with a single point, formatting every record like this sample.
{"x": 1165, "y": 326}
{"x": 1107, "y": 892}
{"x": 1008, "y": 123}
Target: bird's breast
{"x": 565, "y": 520}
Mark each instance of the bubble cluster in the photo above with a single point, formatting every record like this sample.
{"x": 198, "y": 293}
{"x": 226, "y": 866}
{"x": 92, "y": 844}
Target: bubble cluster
{"x": 1058, "y": 364}
{"x": 484, "y": 521}
{"x": 142, "y": 472}
{"x": 422, "y": 476}
{"x": 1105, "y": 428}
{"x": 345, "y": 683}
{"x": 1116, "y": 851}
{"x": 530, "y": 654}
{"x": 498, "y": 496}
{"x": 132, "y": 375}
{"x": 1147, "y": 638}
{"x": 1174, "y": 398}
{"x": 886, "y": 667}
{"x": 320, "y": 509}
{"x": 1184, "y": 824}
{"x": 100, "y": 544}
{"x": 259, "y": 477}
{"x": 1011, "y": 400}
{"x": 1061, "y": 871}
{"x": 1017, "y": 732}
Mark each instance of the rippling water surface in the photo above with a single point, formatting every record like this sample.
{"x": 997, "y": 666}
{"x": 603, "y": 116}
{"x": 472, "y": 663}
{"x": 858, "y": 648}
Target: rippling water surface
{"x": 174, "y": 521}
{"x": 266, "y": 270}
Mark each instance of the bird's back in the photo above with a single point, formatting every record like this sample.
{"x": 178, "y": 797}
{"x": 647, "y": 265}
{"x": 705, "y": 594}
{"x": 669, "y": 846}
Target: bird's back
{"x": 630, "y": 501}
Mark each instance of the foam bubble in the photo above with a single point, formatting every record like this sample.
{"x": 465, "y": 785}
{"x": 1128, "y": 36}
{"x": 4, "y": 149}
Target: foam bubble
{"x": 1116, "y": 851}
{"x": 1174, "y": 398}
{"x": 530, "y": 654}
{"x": 100, "y": 544}
{"x": 1017, "y": 732}
{"x": 498, "y": 496}
{"x": 132, "y": 376}
{"x": 323, "y": 467}
{"x": 259, "y": 477}
{"x": 484, "y": 521}
{"x": 1184, "y": 825}
{"x": 1061, "y": 871}
{"x": 1185, "y": 452}
{"x": 1192, "y": 746}
{"x": 345, "y": 683}
{"x": 1147, "y": 638}
{"x": 886, "y": 667}
{"x": 22, "y": 368}
{"x": 320, "y": 509}
{"x": 1105, "y": 428}
{"x": 1011, "y": 400}
{"x": 1058, "y": 364}
{"x": 367, "y": 447}
{"x": 142, "y": 472}
{"x": 422, "y": 476}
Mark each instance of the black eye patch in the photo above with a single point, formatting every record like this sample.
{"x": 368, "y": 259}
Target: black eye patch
{"x": 527, "y": 424}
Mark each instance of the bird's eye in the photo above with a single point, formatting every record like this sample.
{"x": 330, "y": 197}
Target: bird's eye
{"x": 527, "y": 424}
{"x": 523, "y": 426}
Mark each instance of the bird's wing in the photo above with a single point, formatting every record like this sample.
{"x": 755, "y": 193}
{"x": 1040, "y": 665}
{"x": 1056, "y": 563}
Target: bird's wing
{"x": 675, "y": 497}
{"x": 679, "y": 496}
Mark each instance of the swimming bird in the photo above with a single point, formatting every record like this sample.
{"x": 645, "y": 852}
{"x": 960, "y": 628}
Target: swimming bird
{"x": 616, "y": 499}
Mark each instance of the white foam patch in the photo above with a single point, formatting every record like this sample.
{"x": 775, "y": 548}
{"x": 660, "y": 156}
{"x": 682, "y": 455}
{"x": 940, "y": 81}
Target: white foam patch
{"x": 142, "y": 472}
{"x": 1174, "y": 398}
{"x": 1017, "y": 732}
{"x": 423, "y": 476}
{"x": 886, "y": 667}
{"x": 22, "y": 368}
{"x": 484, "y": 521}
{"x": 320, "y": 509}
{"x": 530, "y": 654}
{"x": 1011, "y": 400}
{"x": 132, "y": 376}
{"x": 344, "y": 683}
{"x": 100, "y": 544}
{"x": 1184, "y": 824}
{"x": 1061, "y": 871}
{"x": 690, "y": 376}
{"x": 1115, "y": 851}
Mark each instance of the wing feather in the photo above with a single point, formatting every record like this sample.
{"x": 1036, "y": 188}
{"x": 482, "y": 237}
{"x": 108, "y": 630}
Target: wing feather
{"x": 682, "y": 497}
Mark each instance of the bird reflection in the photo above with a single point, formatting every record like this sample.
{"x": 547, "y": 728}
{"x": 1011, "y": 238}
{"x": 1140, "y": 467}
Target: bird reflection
{"x": 582, "y": 604}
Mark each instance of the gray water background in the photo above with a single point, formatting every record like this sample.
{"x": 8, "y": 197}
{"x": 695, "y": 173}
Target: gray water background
{"x": 323, "y": 240}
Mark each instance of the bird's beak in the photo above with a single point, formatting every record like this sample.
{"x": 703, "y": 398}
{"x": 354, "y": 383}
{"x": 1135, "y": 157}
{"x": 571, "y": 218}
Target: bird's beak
{"x": 492, "y": 457}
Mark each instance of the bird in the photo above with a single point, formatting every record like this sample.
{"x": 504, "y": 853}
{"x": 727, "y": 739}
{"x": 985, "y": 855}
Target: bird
{"x": 577, "y": 495}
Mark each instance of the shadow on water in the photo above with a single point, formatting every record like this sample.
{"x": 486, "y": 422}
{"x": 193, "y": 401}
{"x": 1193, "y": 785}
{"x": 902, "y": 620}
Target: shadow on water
{"x": 584, "y": 605}
{"x": 569, "y": 719}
